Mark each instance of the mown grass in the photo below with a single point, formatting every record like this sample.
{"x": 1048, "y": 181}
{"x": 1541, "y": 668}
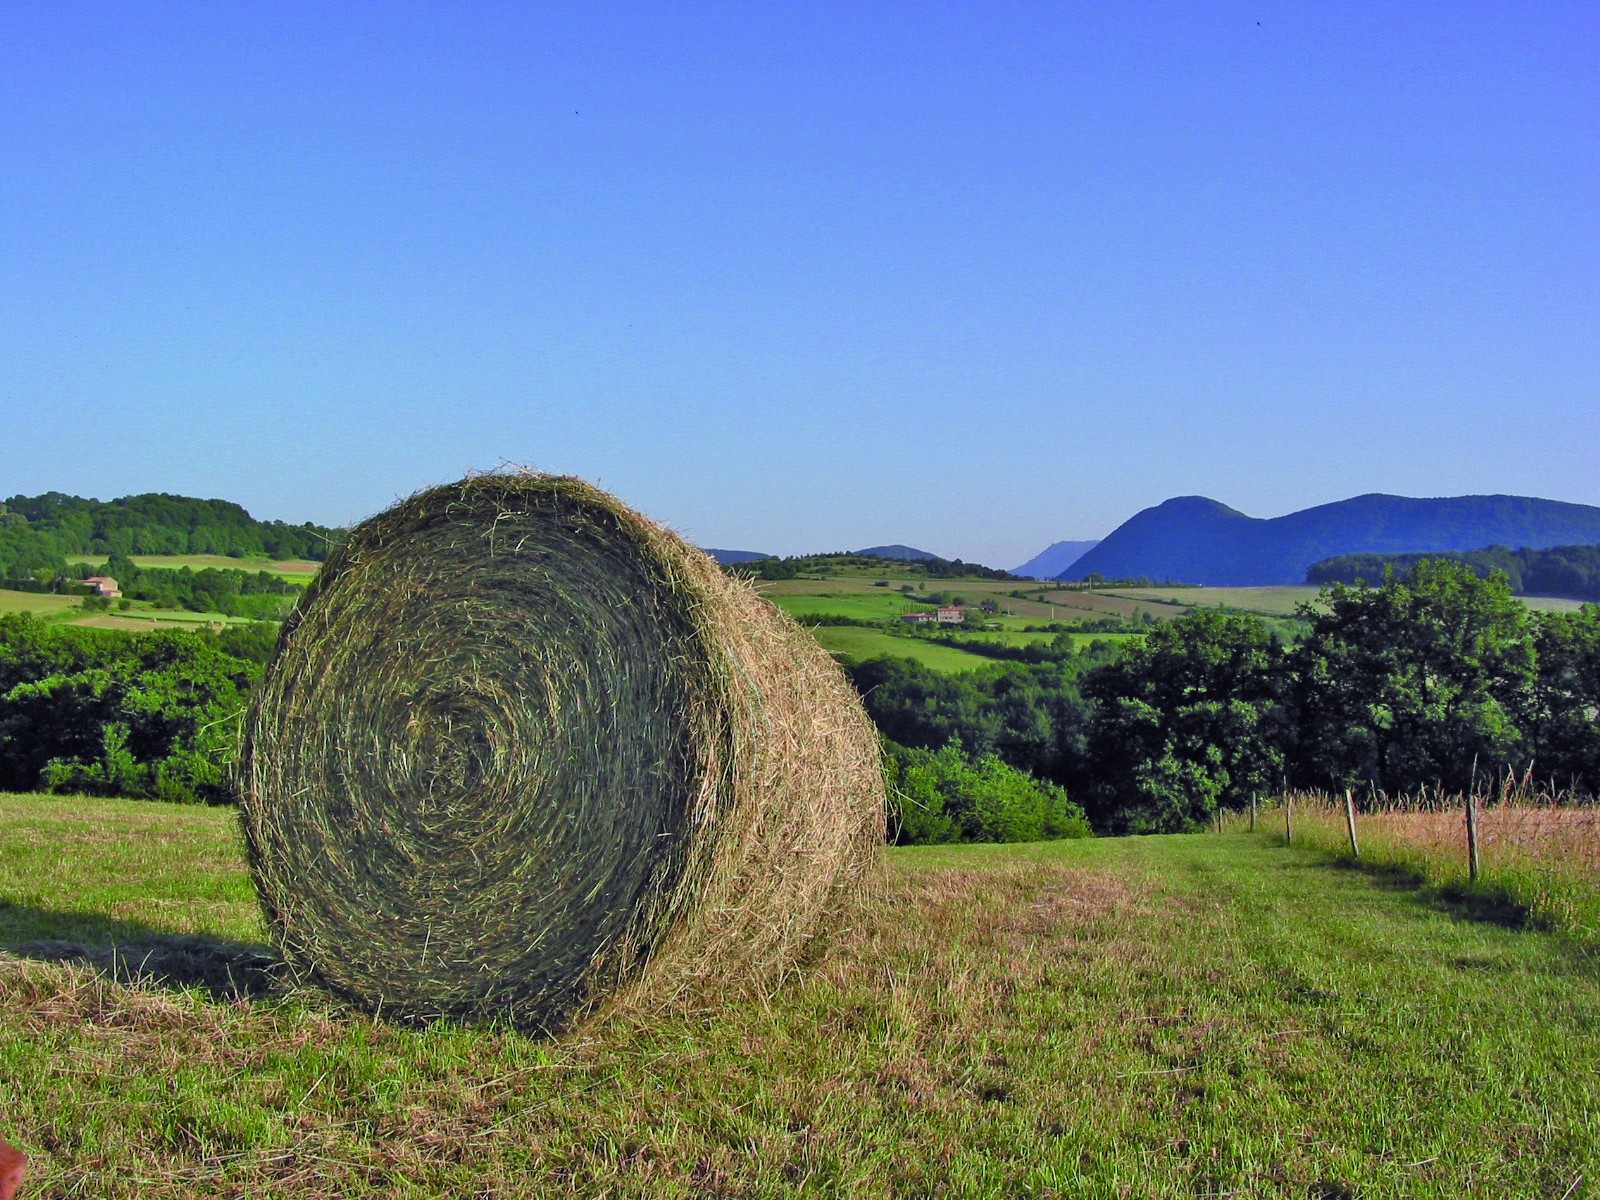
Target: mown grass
{"x": 1210, "y": 1015}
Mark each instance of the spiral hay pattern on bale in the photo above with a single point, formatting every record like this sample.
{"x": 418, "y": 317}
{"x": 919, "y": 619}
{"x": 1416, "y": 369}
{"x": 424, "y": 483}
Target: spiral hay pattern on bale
{"x": 522, "y": 751}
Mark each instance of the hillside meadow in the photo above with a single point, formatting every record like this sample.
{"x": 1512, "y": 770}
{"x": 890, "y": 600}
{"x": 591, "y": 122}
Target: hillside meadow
{"x": 1192, "y": 1015}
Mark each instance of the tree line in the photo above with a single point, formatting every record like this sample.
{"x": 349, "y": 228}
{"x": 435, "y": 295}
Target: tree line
{"x": 1432, "y": 678}
{"x": 100, "y": 712}
{"x": 256, "y": 595}
{"x": 39, "y": 533}
{"x": 1570, "y": 571}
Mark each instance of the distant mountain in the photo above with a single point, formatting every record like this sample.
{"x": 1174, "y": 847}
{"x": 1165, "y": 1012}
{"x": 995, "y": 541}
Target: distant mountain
{"x": 734, "y": 556}
{"x": 1050, "y": 563}
{"x": 910, "y": 553}
{"x": 1191, "y": 539}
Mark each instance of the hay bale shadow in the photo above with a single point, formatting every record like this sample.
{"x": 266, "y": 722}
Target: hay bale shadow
{"x": 135, "y": 954}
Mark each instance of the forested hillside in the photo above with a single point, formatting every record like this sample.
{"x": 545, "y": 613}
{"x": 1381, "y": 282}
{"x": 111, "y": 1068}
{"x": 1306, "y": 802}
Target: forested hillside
{"x": 1570, "y": 571}
{"x": 39, "y": 533}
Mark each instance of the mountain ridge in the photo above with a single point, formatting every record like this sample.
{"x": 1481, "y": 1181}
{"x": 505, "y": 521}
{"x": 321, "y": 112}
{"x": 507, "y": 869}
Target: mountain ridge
{"x": 908, "y": 553}
{"x": 728, "y": 557}
{"x": 1053, "y": 559}
{"x": 1195, "y": 539}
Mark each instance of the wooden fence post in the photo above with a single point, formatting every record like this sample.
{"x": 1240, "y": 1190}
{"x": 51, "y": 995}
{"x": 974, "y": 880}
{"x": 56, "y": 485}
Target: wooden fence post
{"x": 1472, "y": 836}
{"x": 1288, "y": 820}
{"x": 1252, "y": 812}
{"x": 1350, "y": 821}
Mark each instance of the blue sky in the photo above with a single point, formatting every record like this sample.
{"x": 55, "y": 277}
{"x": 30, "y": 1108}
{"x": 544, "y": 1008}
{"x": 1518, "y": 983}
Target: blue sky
{"x": 972, "y": 277}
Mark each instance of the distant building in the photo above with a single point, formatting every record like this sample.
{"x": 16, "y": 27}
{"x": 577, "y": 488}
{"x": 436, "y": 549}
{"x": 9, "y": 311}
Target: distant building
{"x": 955, "y": 614}
{"x": 916, "y": 618}
{"x": 103, "y": 585}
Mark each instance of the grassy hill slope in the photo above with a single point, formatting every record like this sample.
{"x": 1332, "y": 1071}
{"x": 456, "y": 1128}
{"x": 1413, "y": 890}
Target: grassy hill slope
{"x": 1207, "y": 1015}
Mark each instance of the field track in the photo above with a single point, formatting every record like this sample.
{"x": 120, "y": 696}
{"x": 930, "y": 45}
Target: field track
{"x": 1175, "y": 1016}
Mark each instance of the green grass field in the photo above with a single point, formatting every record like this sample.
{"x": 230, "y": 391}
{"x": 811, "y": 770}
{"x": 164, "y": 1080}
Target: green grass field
{"x": 140, "y": 618}
{"x": 297, "y": 571}
{"x": 876, "y": 606}
{"x": 856, "y": 643}
{"x": 39, "y": 603}
{"x": 1206, "y": 1015}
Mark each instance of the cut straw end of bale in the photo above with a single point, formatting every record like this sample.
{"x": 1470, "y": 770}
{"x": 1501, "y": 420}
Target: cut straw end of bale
{"x": 521, "y": 752}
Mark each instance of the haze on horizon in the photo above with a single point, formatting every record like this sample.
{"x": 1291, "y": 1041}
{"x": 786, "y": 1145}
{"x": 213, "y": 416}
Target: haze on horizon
{"x": 804, "y": 278}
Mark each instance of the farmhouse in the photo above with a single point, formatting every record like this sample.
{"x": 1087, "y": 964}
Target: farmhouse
{"x": 103, "y": 585}
{"x": 954, "y": 614}
{"x": 919, "y": 618}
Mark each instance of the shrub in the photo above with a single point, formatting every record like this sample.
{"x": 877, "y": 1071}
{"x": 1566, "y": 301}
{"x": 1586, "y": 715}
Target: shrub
{"x": 945, "y": 796}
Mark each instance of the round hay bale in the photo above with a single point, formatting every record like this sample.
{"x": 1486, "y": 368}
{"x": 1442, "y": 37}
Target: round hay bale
{"x": 521, "y": 751}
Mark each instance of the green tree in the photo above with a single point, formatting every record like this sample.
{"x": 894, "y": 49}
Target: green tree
{"x": 1414, "y": 681}
{"x": 154, "y": 715}
{"x": 1563, "y": 734}
{"x": 1188, "y": 722}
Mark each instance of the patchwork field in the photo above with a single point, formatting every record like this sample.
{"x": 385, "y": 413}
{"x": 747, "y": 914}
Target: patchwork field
{"x": 1202, "y": 1015}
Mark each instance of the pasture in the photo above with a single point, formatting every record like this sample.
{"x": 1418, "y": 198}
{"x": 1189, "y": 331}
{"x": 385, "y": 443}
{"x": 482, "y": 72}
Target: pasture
{"x": 1198, "y": 1015}
{"x": 855, "y": 643}
{"x": 41, "y": 604}
{"x": 140, "y": 617}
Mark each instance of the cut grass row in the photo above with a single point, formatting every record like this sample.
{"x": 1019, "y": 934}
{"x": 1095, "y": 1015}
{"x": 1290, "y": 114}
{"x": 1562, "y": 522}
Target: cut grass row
{"x": 1176, "y": 1016}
